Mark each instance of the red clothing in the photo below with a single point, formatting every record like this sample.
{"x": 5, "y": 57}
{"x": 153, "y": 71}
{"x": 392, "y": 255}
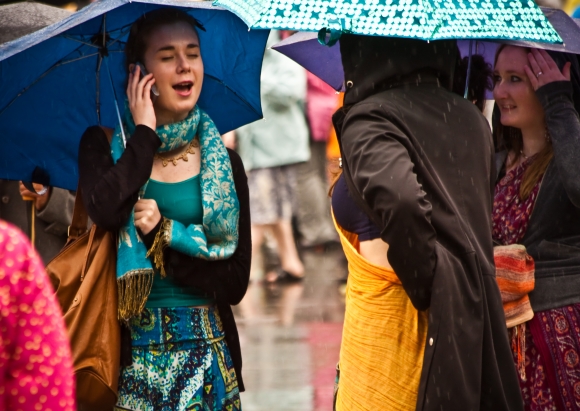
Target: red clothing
{"x": 510, "y": 214}
{"x": 321, "y": 103}
{"x": 35, "y": 361}
{"x": 552, "y": 339}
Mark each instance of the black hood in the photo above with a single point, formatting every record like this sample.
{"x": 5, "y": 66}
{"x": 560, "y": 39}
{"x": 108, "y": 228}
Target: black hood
{"x": 373, "y": 64}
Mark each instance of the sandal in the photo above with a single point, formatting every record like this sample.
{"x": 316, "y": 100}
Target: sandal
{"x": 284, "y": 277}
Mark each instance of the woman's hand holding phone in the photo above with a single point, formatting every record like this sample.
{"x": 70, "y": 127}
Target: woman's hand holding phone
{"x": 139, "y": 96}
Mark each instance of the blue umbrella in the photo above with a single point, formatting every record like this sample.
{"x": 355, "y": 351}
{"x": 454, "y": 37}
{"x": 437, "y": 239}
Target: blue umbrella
{"x": 58, "y": 81}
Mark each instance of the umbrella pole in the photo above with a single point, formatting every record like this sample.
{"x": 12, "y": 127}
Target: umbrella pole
{"x": 468, "y": 71}
{"x": 116, "y": 105}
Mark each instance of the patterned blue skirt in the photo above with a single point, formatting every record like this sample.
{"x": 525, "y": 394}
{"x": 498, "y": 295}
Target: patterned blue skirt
{"x": 180, "y": 362}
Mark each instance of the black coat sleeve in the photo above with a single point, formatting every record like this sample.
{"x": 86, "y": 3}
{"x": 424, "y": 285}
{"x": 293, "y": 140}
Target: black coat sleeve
{"x": 564, "y": 128}
{"x": 375, "y": 151}
{"x": 109, "y": 190}
{"x": 225, "y": 280}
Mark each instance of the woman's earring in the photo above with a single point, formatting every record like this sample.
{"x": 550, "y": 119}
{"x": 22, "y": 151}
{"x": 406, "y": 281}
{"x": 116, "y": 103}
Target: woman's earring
{"x": 547, "y": 136}
{"x": 340, "y": 162}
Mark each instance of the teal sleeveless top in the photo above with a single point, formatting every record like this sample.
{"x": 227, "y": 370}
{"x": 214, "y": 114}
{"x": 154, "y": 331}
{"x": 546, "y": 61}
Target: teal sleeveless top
{"x": 179, "y": 202}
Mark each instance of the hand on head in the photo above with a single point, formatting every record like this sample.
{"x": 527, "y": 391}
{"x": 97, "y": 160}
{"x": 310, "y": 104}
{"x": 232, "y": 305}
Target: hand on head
{"x": 139, "y": 96}
{"x": 543, "y": 69}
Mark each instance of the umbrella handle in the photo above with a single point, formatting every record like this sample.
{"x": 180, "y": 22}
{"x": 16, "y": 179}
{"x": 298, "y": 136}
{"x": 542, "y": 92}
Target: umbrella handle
{"x": 465, "y": 94}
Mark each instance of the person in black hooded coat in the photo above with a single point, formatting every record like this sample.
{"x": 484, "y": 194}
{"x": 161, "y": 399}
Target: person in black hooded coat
{"x": 420, "y": 161}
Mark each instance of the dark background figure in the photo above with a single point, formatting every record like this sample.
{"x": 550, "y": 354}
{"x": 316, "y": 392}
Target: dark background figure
{"x": 422, "y": 159}
{"x": 314, "y": 224}
{"x": 48, "y": 227}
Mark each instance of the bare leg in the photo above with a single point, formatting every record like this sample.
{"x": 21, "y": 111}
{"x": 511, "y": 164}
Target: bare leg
{"x": 289, "y": 258}
{"x": 257, "y": 268}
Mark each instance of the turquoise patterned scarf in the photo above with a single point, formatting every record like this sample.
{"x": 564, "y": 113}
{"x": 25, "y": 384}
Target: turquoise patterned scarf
{"x": 215, "y": 239}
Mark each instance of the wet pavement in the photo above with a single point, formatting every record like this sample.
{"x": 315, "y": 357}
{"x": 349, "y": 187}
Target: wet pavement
{"x": 290, "y": 337}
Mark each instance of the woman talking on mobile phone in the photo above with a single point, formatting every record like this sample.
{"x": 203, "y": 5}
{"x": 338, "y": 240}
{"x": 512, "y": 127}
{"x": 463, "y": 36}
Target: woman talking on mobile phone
{"x": 178, "y": 200}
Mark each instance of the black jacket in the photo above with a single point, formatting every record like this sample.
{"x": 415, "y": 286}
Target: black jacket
{"x": 420, "y": 161}
{"x": 110, "y": 192}
{"x": 553, "y": 234}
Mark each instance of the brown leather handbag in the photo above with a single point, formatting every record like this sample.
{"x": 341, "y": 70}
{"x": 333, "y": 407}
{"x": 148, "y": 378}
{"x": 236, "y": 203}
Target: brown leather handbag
{"x": 83, "y": 275}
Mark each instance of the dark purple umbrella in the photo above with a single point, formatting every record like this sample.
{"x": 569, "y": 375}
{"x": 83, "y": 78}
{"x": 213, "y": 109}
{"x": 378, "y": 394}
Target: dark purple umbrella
{"x": 325, "y": 62}
{"x": 322, "y": 61}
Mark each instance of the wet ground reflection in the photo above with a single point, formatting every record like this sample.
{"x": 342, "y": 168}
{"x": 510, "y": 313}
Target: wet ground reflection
{"x": 290, "y": 336}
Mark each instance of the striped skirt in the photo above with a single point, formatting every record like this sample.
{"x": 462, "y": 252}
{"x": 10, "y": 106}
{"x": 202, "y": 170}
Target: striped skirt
{"x": 180, "y": 362}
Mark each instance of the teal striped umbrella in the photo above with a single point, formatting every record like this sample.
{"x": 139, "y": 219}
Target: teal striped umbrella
{"x": 420, "y": 19}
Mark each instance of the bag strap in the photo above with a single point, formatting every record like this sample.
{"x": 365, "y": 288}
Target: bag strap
{"x": 80, "y": 217}
{"x": 87, "y": 251}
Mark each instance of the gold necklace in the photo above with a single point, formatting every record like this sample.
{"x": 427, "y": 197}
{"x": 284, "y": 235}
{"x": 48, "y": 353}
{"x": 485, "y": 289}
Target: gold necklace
{"x": 183, "y": 156}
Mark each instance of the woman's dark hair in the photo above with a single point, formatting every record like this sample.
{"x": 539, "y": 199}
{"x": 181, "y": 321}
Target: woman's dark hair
{"x": 149, "y": 22}
{"x": 480, "y": 80}
{"x": 510, "y": 139}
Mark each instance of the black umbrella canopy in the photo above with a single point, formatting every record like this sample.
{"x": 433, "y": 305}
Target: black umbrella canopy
{"x": 20, "y": 19}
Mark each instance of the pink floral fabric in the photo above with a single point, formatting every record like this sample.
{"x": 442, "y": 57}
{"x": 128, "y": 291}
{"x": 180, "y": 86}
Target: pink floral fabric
{"x": 552, "y": 339}
{"x": 35, "y": 361}
{"x": 510, "y": 213}
{"x": 553, "y": 358}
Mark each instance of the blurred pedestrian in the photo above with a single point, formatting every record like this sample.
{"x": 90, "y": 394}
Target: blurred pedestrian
{"x": 417, "y": 161}
{"x": 314, "y": 223}
{"x": 35, "y": 359}
{"x": 537, "y": 204}
{"x": 44, "y": 217}
{"x": 271, "y": 149}
{"x": 185, "y": 247}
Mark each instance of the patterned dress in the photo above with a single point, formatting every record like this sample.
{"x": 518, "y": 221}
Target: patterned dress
{"x": 180, "y": 363}
{"x": 552, "y": 339}
{"x": 35, "y": 361}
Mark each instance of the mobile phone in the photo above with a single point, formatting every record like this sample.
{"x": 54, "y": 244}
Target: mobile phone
{"x": 144, "y": 72}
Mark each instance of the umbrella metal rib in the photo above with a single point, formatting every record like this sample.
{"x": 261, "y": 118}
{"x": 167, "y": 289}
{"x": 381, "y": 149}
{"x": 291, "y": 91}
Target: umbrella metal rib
{"x": 98, "y": 88}
{"x": 59, "y": 64}
{"x": 117, "y": 108}
{"x": 79, "y": 41}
